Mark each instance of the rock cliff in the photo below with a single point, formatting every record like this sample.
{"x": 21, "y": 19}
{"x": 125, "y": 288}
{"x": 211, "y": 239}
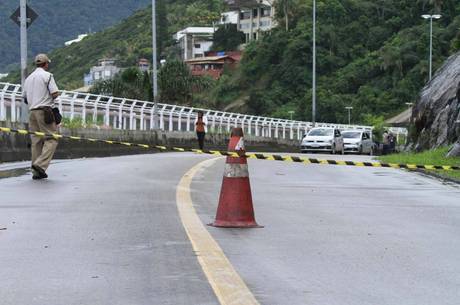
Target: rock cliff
{"x": 437, "y": 112}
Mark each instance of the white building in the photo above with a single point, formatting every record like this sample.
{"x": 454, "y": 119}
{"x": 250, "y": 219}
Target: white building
{"x": 80, "y": 38}
{"x": 255, "y": 16}
{"x": 229, "y": 18}
{"x": 104, "y": 71}
{"x": 3, "y": 75}
{"x": 194, "y": 41}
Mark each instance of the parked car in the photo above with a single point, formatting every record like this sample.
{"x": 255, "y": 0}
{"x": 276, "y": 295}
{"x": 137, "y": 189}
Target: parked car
{"x": 358, "y": 141}
{"x": 323, "y": 140}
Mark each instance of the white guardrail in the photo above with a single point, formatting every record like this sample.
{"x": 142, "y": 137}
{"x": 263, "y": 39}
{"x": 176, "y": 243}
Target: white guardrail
{"x": 128, "y": 114}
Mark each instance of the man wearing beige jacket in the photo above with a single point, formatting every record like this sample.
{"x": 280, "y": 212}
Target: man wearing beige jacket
{"x": 40, "y": 91}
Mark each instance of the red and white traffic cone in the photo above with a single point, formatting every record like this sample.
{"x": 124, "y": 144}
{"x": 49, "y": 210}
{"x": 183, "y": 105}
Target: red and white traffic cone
{"x": 235, "y": 208}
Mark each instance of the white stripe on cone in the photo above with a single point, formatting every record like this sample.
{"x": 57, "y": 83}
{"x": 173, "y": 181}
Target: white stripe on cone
{"x": 236, "y": 171}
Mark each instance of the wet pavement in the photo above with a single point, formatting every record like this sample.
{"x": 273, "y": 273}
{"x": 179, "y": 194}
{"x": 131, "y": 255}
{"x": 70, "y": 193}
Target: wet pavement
{"x": 107, "y": 231}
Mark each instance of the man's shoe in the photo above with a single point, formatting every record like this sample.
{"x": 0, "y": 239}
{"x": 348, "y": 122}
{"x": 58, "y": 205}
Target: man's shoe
{"x": 40, "y": 171}
{"x": 34, "y": 177}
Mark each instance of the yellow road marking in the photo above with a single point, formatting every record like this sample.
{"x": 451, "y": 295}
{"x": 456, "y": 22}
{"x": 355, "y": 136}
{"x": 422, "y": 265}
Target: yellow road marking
{"x": 228, "y": 286}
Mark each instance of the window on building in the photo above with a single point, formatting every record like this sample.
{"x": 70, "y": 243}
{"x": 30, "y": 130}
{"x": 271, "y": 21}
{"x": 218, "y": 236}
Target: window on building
{"x": 97, "y": 75}
{"x": 255, "y": 12}
{"x": 245, "y": 15}
{"x": 107, "y": 73}
{"x": 197, "y": 46}
{"x": 266, "y": 12}
{"x": 254, "y": 36}
{"x": 265, "y": 23}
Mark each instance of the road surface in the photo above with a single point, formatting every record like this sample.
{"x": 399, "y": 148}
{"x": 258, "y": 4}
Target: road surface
{"x": 108, "y": 231}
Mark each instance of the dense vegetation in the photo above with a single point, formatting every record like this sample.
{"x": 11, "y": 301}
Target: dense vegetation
{"x": 59, "y": 21}
{"x": 372, "y": 55}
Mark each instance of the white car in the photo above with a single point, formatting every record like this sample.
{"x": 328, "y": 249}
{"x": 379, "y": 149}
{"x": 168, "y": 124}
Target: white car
{"x": 358, "y": 141}
{"x": 323, "y": 140}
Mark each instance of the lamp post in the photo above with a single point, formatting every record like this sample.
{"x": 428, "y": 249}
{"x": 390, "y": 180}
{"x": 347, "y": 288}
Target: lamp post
{"x": 313, "y": 111}
{"x": 154, "y": 66}
{"x": 349, "y": 114}
{"x": 291, "y": 112}
{"x": 23, "y": 25}
{"x": 431, "y": 17}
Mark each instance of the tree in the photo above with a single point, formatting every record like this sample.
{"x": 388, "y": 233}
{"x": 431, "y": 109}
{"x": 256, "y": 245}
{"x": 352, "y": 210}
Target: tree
{"x": 131, "y": 83}
{"x": 227, "y": 38}
{"x": 177, "y": 84}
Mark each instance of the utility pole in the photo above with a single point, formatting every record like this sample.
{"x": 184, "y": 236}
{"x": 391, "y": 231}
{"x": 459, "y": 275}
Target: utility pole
{"x": 313, "y": 114}
{"x": 154, "y": 66}
{"x": 23, "y": 34}
{"x": 431, "y": 17}
{"x": 349, "y": 114}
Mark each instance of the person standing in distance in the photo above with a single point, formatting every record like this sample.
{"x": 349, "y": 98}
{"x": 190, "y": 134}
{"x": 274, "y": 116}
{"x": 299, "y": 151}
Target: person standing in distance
{"x": 201, "y": 127}
{"x": 40, "y": 91}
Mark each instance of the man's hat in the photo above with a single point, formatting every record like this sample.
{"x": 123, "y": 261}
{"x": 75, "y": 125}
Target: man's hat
{"x": 41, "y": 59}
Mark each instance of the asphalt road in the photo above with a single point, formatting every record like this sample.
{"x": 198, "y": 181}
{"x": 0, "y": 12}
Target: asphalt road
{"x": 107, "y": 231}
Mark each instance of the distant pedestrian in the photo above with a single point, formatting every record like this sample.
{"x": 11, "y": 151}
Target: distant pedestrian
{"x": 201, "y": 127}
{"x": 40, "y": 91}
{"x": 386, "y": 142}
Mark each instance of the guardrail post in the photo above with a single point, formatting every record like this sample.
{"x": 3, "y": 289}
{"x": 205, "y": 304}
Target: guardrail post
{"x": 107, "y": 112}
{"x": 96, "y": 104}
{"x": 72, "y": 105}
{"x": 2, "y": 103}
{"x": 132, "y": 124}
{"x": 257, "y": 127}
{"x": 179, "y": 120}
{"x": 121, "y": 121}
{"x": 189, "y": 116}
{"x": 162, "y": 119}
{"x": 284, "y": 130}
{"x": 229, "y": 122}
{"x": 250, "y": 125}
{"x": 291, "y": 133}
{"x": 143, "y": 123}
{"x": 214, "y": 123}
{"x": 13, "y": 104}
{"x": 221, "y": 123}
{"x": 171, "y": 120}
{"x": 152, "y": 115}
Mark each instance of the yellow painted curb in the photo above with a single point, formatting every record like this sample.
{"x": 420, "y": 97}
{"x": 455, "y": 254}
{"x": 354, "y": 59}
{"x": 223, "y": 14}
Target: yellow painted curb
{"x": 228, "y": 286}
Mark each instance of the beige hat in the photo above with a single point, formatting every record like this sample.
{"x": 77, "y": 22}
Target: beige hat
{"x": 41, "y": 59}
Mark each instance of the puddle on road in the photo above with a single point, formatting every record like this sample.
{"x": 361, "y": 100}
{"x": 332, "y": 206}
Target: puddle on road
{"x": 13, "y": 172}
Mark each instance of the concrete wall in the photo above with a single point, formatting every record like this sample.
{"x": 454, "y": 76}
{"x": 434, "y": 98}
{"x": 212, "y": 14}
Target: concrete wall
{"x": 15, "y": 147}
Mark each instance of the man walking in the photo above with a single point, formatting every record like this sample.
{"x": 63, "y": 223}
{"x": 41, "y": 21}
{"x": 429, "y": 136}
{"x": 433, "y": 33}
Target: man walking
{"x": 40, "y": 91}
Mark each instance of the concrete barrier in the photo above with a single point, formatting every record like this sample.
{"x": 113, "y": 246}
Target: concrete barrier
{"x": 16, "y": 147}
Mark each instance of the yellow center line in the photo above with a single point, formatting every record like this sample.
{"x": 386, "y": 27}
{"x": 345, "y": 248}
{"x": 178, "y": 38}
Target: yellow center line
{"x": 228, "y": 286}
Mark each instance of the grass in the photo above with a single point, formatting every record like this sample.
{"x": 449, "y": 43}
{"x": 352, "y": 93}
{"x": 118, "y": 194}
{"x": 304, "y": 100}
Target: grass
{"x": 429, "y": 157}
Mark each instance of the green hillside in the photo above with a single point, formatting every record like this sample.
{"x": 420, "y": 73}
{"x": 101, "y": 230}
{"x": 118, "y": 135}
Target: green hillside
{"x": 372, "y": 55}
{"x": 128, "y": 40}
{"x": 59, "y": 21}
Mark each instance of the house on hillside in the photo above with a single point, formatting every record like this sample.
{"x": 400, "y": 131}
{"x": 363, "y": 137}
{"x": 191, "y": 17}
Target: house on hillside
{"x": 213, "y": 63}
{"x": 193, "y": 42}
{"x": 105, "y": 70}
{"x": 254, "y": 16}
{"x": 79, "y": 38}
{"x": 143, "y": 65}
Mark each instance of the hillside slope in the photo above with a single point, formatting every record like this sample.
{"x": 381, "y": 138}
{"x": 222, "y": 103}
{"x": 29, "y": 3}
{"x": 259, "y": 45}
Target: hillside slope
{"x": 59, "y": 21}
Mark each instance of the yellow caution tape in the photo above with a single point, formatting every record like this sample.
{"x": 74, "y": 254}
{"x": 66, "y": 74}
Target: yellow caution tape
{"x": 270, "y": 157}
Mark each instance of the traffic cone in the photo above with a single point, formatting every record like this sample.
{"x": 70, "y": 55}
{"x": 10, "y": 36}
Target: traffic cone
{"x": 235, "y": 208}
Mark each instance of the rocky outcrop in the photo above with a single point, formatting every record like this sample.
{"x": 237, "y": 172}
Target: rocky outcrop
{"x": 437, "y": 111}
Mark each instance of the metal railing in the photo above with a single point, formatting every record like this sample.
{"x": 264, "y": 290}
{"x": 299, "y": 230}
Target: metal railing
{"x": 129, "y": 114}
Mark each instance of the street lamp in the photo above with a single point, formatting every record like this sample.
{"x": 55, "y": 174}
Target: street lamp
{"x": 431, "y": 17}
{"x": 349, "y": 114}
{"x": 291, "y": 112}
{"x": 154, "y": 66}
{"x": 313, "y": 112}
